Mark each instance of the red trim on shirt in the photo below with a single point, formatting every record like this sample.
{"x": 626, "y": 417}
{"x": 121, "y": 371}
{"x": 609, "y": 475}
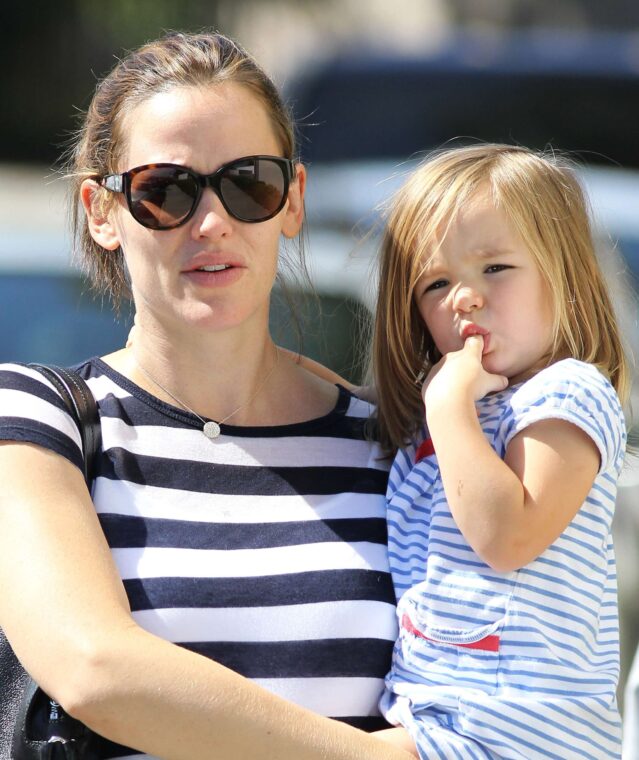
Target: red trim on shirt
{"x": 489, "y": 643}
{"x": 426, "y": 449}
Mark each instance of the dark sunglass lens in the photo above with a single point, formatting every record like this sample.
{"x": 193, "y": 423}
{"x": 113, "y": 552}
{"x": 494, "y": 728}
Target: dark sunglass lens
{"x": 253, "y": 189}
{"x": 162, "y": 196}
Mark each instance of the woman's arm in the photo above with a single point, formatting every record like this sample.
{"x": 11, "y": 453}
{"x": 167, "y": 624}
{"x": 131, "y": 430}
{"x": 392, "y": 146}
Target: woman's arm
{"x": 398, "y": 737}
{"x": 90, "y": 655}
{"x": 508, "y": 510}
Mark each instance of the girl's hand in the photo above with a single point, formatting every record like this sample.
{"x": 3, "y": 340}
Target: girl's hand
{"x": 460, "y": 374}
{"x": 131, "y": 336}
{"x": 319, "y": 370}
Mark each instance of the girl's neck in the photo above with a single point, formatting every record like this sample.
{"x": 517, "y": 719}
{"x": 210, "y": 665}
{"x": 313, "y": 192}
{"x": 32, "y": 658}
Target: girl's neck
{"x": 544, "y": 362}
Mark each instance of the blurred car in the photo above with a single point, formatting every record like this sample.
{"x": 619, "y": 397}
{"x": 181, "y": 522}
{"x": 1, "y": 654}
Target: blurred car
{"x": 48, "y": 312}
{"x": 368, "y": 118}
{"x": 363, "y": 116}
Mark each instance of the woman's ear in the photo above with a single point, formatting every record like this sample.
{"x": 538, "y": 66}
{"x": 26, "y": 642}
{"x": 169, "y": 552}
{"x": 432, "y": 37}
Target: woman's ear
{"x": 294, "y": 214}
{"x": 100, "y": 224}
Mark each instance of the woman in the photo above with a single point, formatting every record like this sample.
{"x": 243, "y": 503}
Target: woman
{"x": 238, "y": 498}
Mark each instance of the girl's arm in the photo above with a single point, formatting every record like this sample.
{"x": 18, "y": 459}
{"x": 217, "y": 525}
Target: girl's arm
{"x": 508, "y": 510}
{"x": 318, "y": 369}
{"x": 64, "y": 609}
{"x": 367, "y": 392}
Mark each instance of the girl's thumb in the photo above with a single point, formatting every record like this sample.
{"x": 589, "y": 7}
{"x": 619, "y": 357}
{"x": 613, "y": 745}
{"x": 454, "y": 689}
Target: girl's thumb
{"x": 475, "y": 343}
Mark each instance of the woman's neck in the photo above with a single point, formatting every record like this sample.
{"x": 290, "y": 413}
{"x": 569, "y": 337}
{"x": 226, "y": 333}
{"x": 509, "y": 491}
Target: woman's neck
{"x": 218, "y": 375}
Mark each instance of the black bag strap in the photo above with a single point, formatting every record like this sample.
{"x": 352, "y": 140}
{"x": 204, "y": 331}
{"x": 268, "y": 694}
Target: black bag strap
{"x": 83, "y": 408}
{"x": 43, "y": 731}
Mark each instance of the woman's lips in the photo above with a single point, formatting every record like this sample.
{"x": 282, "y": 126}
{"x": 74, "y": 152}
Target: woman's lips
{"x": 214, "y": 268}
{"x": 217, "y": 278}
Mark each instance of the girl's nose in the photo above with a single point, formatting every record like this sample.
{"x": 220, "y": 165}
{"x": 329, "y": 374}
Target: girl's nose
{"x": 467, "y": 299}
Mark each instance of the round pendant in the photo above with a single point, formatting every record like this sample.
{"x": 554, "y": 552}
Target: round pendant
{"x": 211, "y": 429}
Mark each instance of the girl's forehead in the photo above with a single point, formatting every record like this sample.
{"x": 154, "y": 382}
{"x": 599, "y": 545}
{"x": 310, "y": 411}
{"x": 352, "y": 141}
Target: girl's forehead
{"x": 481, "y": 221}
{"x": 477, "y": 232}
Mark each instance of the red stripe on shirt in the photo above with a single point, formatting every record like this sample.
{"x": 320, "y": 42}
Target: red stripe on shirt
{"x": 426, "y": 449}
{"x": 489, "y": 643}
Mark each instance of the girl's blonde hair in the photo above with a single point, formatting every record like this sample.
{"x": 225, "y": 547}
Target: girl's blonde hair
{"x": 175, "y": 60}
{"x": 546, "y": 205}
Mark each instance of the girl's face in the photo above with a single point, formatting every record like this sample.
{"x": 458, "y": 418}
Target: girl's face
{"x": 202, "y": 128}
{"x": 482, "y": 279}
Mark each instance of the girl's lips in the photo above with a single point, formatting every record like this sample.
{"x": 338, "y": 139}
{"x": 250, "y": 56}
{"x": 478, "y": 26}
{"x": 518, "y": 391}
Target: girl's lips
{"x": 469, "y": 330}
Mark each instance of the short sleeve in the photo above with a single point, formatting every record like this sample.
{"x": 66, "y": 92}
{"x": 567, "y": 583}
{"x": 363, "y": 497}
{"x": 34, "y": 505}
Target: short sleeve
{"x": 579, "y": 393}
{"x": 404, "y": 462}
{"x": 31, "y": 411}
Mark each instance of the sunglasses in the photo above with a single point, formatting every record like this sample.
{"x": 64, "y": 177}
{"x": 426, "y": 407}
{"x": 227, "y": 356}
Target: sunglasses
{"x": 164, "y": 196}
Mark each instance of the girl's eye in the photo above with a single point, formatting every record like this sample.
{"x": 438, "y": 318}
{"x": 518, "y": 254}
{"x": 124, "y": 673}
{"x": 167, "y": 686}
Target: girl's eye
{"x": 496, "y": 268}
{"x": 436, "y": 285}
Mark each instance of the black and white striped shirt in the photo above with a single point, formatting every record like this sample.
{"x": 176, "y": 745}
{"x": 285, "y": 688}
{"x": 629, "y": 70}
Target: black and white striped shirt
{"x": 264, "y": 549}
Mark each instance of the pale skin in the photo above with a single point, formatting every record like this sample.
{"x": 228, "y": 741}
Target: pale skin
{"x": 509, "y": 510}
{"x": 483, "y": 280}
{"x": 487, "y": 308}
{"x": 484, "y": 303}
{"x": 55, "y": 565}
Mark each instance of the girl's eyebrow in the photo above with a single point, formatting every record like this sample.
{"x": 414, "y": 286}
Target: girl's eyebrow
{"x": 486, "y": 252}
{"x": 431, "y": 268}
{"x": 435, "y": 268}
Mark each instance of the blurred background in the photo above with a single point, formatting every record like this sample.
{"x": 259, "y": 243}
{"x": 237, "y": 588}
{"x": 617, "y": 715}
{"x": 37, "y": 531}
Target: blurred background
{"x": 374, "y": 85}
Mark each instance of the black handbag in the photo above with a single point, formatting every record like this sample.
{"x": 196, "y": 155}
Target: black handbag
{"x": 33, "y": 726}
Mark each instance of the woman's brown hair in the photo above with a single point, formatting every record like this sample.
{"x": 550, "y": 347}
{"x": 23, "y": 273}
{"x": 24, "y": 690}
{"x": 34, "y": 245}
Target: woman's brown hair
{"x": 176, "y": 60}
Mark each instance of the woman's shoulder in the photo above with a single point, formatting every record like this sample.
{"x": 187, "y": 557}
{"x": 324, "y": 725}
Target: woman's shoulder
{"x": 307, "y": 397}
{"x": 26, "y": 393}
{"x": 86, "y": 368}
{"x": 355, "y": 405}
{"x": 33, "y": 384}
{"x": 27, "y": 378}
{"x": 340, "y": 414}
{"x": 32, "y": 411}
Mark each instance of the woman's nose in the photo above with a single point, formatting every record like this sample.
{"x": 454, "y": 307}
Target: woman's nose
{"x": 467, "y": 299}
{"x": 211, "y": 219}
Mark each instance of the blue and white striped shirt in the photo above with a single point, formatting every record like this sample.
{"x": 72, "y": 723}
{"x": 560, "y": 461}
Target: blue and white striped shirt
{"x": 521, "y": 665}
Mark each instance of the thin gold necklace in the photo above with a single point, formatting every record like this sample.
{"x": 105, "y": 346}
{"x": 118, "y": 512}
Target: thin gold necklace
{"x": 211, "y": 428}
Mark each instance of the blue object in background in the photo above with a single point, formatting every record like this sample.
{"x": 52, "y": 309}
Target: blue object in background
{"x": 54, "y": 318}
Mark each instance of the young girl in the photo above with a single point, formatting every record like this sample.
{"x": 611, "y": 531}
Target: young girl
{"x": 499, "y": 509}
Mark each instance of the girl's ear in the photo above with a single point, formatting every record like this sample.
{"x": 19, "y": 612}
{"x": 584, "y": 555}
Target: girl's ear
{"x": 100, "y": 225}
{"x": 294, "y": 214}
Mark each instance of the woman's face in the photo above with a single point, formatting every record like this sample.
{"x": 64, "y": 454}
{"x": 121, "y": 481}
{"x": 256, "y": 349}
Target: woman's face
{"x": 202, "y": 128}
